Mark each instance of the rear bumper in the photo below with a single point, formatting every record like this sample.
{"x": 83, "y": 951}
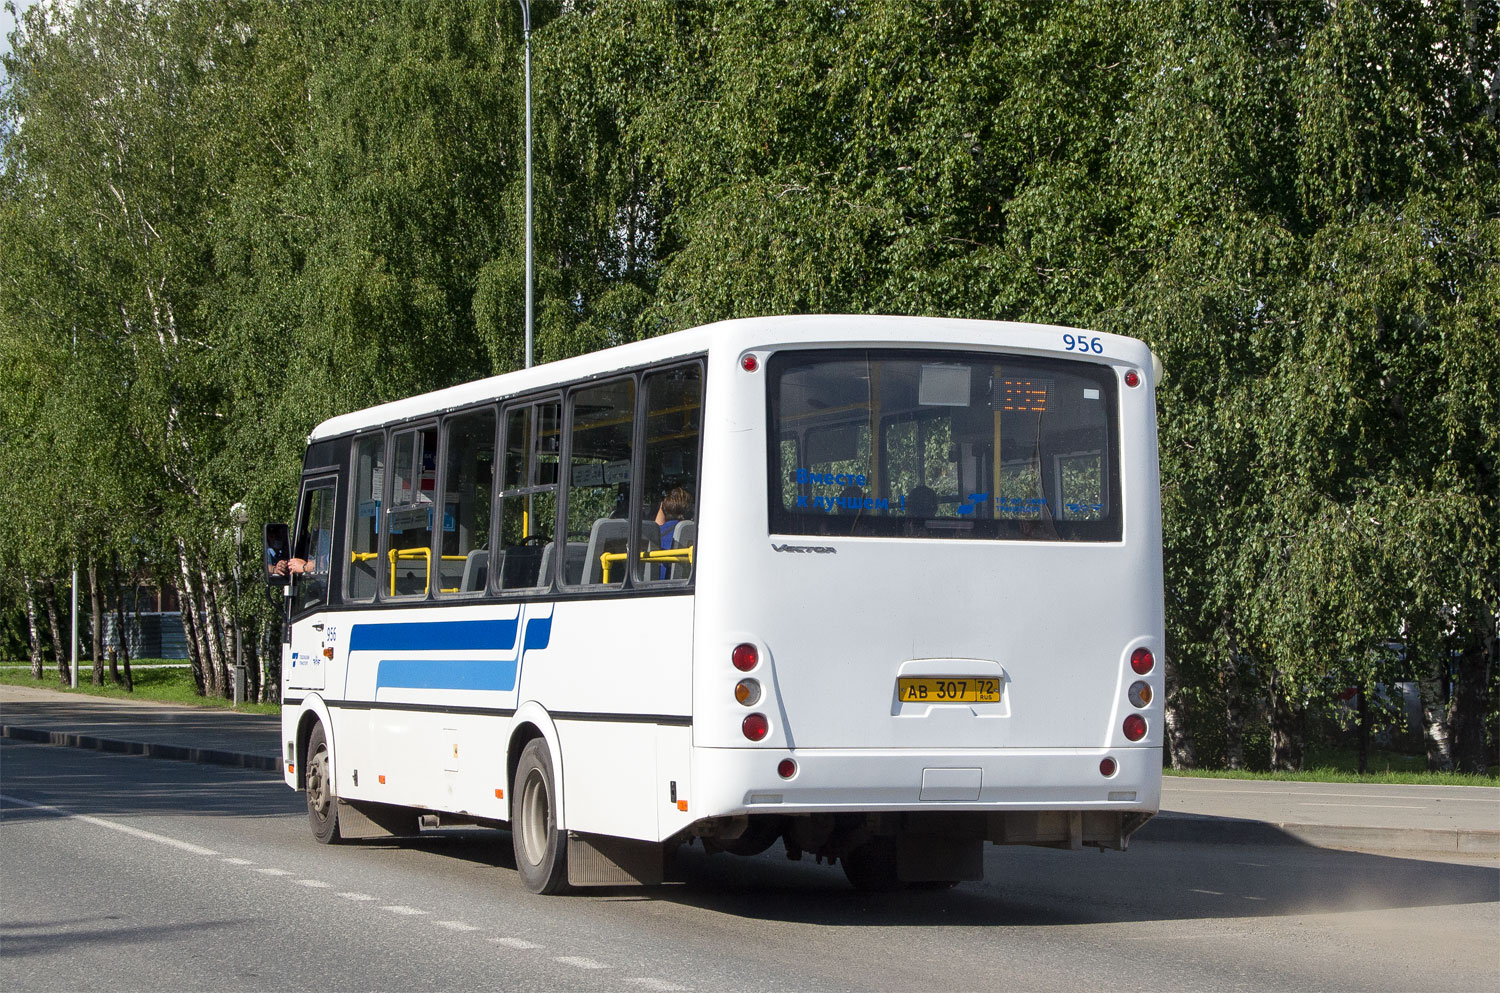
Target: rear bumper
{"x": 732, "y": 781}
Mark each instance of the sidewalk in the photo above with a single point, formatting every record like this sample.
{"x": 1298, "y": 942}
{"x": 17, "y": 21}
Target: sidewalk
{"x": 1453, "y": 820}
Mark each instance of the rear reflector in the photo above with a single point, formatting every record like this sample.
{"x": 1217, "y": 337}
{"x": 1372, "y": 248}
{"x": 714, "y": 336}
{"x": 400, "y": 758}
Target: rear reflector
{"x": 1108, "y": 767}
{"x": 786, "y": 768}
{"x": 745, "y": 657}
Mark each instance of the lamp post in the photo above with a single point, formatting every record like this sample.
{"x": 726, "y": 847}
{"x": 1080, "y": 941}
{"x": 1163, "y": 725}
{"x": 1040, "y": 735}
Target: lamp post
{"x": 238, "y": 515}
{"x": 526, "y": 30}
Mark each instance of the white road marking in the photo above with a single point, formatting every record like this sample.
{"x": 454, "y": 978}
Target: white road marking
{"x": 660, "y": 985}
{"x": 456, "y": 925}
{"x": 516, "y": 943}
{"x": 316, "y": 884}
{"x": 579, "y": 962}
{"x": 1207, "y": 892}
{"x": 234, "y": 861}
{"x": 134, "y": 832}
{"x": 273, "y": 872}
{"x": 1374, "y": 806}
{"x": 405, "y": 911}
{"x": 357, "y": 897}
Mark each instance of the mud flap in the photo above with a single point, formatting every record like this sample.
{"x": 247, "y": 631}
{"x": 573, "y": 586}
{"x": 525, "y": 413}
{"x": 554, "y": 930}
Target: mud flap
{"x": 361, "y": 819}
{"x": 600, "y": 860}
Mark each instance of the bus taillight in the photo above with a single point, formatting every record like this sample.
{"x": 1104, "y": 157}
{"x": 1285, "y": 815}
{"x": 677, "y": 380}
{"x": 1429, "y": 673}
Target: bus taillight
{"x": 1142, "y": 661}
{"x": 1135, "y": 727}
{"x": 755, "y": 726}
{"x": 747, "y": 692}
{"x": 745, "y": 657}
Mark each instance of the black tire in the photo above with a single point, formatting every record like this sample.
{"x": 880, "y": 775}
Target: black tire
{"x": 322, "y": 801}
{"x": 541, "y": 849}
{"x": 871, "y": 868}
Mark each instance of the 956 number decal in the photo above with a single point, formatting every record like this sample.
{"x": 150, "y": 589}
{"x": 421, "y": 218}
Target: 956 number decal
{"x": 1083, "y": 343}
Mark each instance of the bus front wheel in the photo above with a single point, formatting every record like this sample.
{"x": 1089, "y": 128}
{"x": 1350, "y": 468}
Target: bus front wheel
{"x": 541, "y": 849}
{"x": 322, "y": 804}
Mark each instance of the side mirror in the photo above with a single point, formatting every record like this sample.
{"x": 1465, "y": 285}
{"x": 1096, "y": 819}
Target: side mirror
{"x": 278, "y": 548}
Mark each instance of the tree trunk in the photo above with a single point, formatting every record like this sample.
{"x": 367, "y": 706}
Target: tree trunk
{"x": 1286, "y": 728}
{"x": 1435, "y": 733}
{"x": 213, "y": 616}
{"x": 1362, "y": 715}
{"x": 1182, "y": 752}
{"x": 121, "y": 634}
{"x": 1234, "y": 704}
{"x": 32, "y": 629}
{"x": 62, "y": 657}
{"x": 197, "y": 648}
{"x": 96, "y": 622}
{"x": 1466, "y": 709}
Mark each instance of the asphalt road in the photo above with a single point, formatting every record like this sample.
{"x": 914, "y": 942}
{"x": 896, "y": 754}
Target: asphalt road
{"x": 124, "y": 873}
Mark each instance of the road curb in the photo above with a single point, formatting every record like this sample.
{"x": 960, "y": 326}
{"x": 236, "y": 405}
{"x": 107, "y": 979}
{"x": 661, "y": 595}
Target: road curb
{"x": 155, "y": 750}
{"x": 1201, "y": 829}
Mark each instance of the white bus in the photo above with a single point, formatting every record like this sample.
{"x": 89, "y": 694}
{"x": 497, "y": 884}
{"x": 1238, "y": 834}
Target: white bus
{"x": 883, "y": 589}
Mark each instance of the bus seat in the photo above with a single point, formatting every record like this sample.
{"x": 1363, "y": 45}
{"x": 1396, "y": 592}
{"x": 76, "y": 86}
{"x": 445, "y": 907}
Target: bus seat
{"x": 574, "y": 557}
{"x": 684, "y": 535}
{"x": 543, "y": 576}
{"x": 476, "y": 571}
{"x": 611, "y": 534}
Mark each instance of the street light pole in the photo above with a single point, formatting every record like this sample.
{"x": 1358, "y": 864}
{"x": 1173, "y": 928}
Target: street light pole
{"x": 526, "y": 30}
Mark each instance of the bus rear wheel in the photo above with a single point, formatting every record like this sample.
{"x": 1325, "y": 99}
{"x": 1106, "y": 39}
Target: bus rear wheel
{"x": 871, "y": 868}
{"x": 322, "y": 803}
{"x": 541, "y": 849}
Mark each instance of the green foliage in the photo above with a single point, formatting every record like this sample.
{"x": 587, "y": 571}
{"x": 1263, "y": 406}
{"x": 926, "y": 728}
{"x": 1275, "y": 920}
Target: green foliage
{"x": 258, "y": 214}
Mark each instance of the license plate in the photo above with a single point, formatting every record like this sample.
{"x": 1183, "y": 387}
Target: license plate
{"x": 948, "y": 689}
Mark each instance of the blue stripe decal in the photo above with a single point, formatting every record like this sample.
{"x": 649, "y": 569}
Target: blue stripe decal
{"x": 447, "y": 674}
{"x": 449, "y": 636}
{"x": 538, "y": 633}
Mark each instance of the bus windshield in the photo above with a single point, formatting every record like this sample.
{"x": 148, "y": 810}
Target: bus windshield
{"x": 942, "y": 444}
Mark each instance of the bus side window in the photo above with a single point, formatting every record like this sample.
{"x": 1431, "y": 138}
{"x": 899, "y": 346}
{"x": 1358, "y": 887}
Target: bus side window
{"x": 599, "y": 494}
{"x": 363, "y": 577}
{"x": 313, "y": 543}
{"x": 468, "y": 479}
{"x": 674, "y": 415}
{"x": 409, "y": 522}
{"x": 528, "y": 496}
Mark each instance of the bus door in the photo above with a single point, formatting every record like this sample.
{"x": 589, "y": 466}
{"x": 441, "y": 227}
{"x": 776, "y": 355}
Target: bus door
{"x": 312, "y": 639}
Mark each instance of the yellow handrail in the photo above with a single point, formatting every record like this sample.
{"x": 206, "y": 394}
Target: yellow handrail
{"x": 409, "y": 553}
{"x": 660, "y": 555}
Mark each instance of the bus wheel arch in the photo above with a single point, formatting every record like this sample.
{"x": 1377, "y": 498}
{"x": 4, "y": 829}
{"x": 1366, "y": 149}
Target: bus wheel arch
{"x": 311, "y": 717}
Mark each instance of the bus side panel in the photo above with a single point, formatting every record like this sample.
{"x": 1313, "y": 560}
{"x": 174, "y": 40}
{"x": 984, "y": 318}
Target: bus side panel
{"x": 609, "y": 776}
{"x": 612, "y": 672}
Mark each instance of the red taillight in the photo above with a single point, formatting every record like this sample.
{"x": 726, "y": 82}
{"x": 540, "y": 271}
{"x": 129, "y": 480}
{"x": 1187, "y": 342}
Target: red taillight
{"x": 1142, "y": 661}
{"x": 786, "y": 768}
{"x": 1132, "y": 378}
{"x": 1135, "y": 727}
{"x": 755, "y": 726}
{"x": 749, "y": 363}
{"x": 745, "y": 657}
{"x": 1108, "y": 767}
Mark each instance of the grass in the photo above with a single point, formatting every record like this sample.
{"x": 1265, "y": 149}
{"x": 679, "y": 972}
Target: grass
{"x": 1337, "y": 764}
{"x": 168, "y": 685}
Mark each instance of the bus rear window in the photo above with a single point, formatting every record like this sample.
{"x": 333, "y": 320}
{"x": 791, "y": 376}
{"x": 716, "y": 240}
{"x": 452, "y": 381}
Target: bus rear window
{"x": 939, "y": 444}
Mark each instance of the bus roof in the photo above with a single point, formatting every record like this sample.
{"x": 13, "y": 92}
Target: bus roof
{"x": 737, "y": 335}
